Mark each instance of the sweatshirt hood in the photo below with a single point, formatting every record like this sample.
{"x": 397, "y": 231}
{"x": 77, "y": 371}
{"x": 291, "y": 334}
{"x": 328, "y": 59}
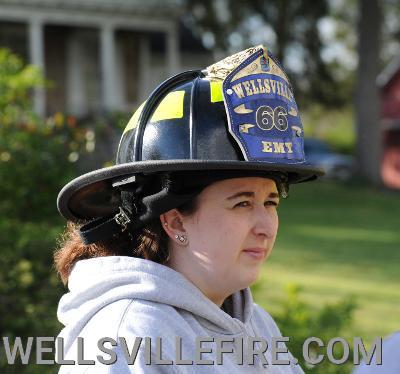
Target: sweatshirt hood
{"x": 95, "y": 283}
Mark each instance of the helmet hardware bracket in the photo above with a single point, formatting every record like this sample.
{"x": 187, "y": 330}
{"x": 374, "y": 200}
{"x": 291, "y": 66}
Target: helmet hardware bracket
{"x": 122, "y": 219}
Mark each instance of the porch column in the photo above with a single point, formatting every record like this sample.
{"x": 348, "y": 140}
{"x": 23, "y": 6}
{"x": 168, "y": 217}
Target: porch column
{"x": 76, "y": 82}
{"x": 36, "y": 57}
{"x": 120, "y": 73}
{"x": 173, "y": 58}
{"x": 144, "y": 80}
{"x": 111, "y": 89}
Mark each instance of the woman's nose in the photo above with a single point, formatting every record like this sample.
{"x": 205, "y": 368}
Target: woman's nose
{"x": 266, "y": 221}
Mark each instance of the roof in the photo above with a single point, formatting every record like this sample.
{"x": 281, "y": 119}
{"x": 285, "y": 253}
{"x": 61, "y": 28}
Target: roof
{"x": 102, "y": 6}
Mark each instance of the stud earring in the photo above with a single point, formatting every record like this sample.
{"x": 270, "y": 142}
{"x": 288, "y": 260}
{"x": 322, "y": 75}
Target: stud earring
{"x": 182, "y": 238}
{"x": 165, "y": 223}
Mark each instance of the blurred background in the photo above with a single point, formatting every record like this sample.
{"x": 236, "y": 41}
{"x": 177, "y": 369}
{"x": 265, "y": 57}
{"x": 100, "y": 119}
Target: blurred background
{"x": 73, "y": 72}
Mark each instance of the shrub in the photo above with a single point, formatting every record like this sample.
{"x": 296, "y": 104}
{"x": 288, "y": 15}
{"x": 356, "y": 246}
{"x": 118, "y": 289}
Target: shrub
{"x": 299, "y": 321}
{"x": 36, "y": 158}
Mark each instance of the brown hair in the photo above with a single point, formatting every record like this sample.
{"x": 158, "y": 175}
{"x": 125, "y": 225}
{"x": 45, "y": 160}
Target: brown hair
{"x": 149, "y": 242}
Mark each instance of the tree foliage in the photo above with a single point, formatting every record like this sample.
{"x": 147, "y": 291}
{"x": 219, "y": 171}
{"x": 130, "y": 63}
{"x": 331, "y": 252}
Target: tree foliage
{"x": 16, "y": 83}
{"x": 295, "y": 32}
{"x": 291, "y": 29}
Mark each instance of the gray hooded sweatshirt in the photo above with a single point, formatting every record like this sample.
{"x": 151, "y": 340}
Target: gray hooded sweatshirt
{"x": 129, "y": 315}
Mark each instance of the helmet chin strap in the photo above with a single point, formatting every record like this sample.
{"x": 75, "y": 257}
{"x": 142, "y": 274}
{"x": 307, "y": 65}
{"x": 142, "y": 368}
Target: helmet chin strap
{"x": 168, "y": 191}
{"x": 140, "y": 203}
{"x": 103, "y": 228}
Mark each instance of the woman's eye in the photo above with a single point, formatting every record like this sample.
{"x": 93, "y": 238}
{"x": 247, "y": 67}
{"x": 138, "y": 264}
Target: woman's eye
{"x": 271, "y": 203}
{"x": 242, "y": 204}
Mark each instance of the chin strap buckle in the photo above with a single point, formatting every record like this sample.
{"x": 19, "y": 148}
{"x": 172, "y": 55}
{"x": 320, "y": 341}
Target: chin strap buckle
{"x": 122, "y": 219}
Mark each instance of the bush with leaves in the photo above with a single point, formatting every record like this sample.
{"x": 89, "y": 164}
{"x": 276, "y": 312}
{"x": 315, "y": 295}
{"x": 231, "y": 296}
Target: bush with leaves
{"x": 299, "y": 321}
{"x": 37, "y": 157}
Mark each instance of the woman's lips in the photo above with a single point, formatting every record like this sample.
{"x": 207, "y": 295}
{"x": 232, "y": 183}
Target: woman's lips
{"x": 256, "y": 253}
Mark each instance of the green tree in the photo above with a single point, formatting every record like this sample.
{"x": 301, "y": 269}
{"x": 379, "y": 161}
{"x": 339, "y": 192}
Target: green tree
{"x": 231, "y": 25}
{"x": 16, "y": 84}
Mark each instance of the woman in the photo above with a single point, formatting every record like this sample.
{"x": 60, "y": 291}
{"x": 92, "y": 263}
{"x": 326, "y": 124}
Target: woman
{"x": 175, "y": 233}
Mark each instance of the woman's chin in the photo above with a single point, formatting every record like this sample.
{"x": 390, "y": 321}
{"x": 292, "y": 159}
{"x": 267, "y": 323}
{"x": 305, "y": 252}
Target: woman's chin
{"x": 248, "y": 279}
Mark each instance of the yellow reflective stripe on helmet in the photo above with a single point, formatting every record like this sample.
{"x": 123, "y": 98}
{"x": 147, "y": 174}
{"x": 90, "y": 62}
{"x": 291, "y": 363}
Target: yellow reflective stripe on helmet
{"x": 170, "y": 107}
{"x": 134, "y": 119}
{"x": 216, "y": 91}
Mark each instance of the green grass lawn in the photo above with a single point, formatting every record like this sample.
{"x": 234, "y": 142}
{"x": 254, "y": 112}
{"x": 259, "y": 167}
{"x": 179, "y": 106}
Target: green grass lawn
{"x": 338, "y": 241}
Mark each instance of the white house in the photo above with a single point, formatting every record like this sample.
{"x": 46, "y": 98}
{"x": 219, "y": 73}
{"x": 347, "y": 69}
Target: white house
{"x": 101, "y": 55}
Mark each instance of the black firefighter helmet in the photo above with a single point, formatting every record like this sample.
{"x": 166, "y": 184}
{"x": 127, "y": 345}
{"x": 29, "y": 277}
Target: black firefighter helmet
{"x": 236, "y": 118}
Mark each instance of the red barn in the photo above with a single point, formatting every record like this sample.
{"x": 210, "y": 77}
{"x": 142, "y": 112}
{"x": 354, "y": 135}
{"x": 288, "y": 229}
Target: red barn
{"x": 389, "y": 81}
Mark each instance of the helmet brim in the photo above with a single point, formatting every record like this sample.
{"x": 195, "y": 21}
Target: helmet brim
{"x": 94, "y": 194}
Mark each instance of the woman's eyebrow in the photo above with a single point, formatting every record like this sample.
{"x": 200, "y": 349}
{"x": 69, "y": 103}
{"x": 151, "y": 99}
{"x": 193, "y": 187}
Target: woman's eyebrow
{"x": 250, "y": 194}
{"x": 241, "y": 194}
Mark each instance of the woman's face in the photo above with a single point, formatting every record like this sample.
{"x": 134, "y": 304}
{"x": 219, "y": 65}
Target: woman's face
{"x": 229, "y": 236}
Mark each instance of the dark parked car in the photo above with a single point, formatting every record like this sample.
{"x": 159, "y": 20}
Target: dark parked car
{"x": 336, "y": 165}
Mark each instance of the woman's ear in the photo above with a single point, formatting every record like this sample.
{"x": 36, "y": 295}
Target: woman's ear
{"x": 173, "y": 224}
